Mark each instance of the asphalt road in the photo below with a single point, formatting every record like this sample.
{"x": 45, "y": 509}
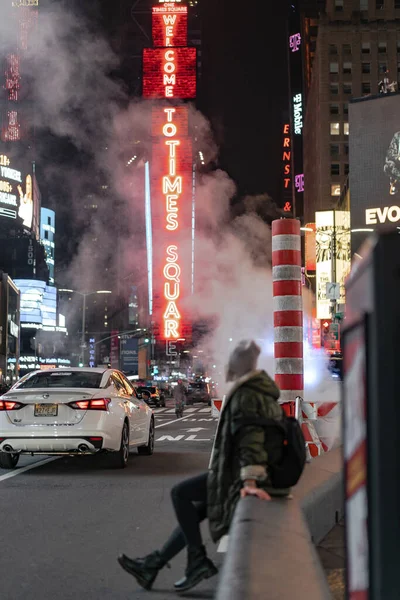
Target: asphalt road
{"x": 64, "y": 521}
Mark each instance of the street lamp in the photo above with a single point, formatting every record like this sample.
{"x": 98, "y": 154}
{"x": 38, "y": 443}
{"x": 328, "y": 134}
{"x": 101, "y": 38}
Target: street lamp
{"x": 84, "y": 296}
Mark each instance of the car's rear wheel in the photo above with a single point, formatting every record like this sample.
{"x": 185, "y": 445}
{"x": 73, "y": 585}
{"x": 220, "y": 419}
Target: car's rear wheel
{"x": 149, "y": 448}
{"x": 119, "y": 459}
{"x": 8, "y": 461}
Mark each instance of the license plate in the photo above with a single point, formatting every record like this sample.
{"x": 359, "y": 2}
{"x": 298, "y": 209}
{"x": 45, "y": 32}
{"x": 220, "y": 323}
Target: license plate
{"x": 46, "y": 410}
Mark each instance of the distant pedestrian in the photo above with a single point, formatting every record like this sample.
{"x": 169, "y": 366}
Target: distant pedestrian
{"x": 238, "y": 468}
{"x": 180, "y": 398}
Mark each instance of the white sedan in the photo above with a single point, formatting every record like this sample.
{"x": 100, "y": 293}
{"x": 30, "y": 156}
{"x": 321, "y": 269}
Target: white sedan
{"x": 74, "y": 412}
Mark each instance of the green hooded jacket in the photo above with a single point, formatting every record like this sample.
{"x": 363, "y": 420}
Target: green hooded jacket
{"x": 241, "y": 454}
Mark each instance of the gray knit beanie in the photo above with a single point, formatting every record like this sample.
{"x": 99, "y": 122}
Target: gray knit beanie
{"x": 242, "y": 360}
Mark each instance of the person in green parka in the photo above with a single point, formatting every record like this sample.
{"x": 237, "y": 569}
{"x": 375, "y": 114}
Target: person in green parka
{"x": 238, "y": 468}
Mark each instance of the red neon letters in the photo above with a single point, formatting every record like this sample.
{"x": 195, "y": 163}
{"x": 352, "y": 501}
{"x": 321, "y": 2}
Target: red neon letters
{"x": 172, "y": 190}
{"x": 169, "y": 26}
{"x": 169, "y": 73}
{"x": 287, "y": 168}
{"x": 171, "y": 184}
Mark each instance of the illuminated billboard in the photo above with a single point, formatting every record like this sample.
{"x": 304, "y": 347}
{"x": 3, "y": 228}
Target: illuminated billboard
{"x": 375, "y": 164}
{"x": 38, "y": 303}
{"x": 295, "y": 52}
{"x": 169, "y": 73}
{"x": 333, "y": 260}
{"x": 16, "y": 192}
{"x": 170, "y": 23}
{"x": 171, "y": 184}
{"x": 47, "y": 238}
{"x": 287, "y": 169}
{"x": 310, "y": 249}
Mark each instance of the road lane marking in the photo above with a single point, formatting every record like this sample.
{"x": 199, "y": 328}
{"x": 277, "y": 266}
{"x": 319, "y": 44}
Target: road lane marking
{"x": 169, "y": 422}
{"x": 170, "y": 438}
{"x": 27, "y": 468}
{"x": 179, "y": 438}
{"x": 197, "y": 429}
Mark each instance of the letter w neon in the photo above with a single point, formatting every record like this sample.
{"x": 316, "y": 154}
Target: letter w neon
{"x": 169, "y": 19}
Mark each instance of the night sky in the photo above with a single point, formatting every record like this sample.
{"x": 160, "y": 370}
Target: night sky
{"x": 245, "y": 88}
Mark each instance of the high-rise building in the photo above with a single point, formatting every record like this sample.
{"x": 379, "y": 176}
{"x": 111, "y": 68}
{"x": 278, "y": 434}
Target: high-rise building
{"x": 358, "y": 46}
{"x": 16, "y": 102}
{"x": 20, "y": 196}
{"x": 310, "y": 11}
{"x": 302, "y": 29}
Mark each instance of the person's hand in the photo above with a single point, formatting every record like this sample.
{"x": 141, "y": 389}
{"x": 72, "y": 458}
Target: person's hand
{"x": 254, "y": 491}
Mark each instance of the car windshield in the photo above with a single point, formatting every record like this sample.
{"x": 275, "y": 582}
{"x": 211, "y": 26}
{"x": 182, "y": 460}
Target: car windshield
{"x": 62, "y": 379}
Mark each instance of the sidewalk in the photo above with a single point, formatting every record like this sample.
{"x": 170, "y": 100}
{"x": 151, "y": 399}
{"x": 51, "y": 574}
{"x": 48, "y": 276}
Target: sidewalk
{"x": 332, "y": 555}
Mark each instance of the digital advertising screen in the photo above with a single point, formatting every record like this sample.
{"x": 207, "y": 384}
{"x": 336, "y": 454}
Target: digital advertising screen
{"x": 333, "y": 258}
{"x": 16, "y": 191}
{"x": 38, "y": 302}
{"x": 374, "y": 125}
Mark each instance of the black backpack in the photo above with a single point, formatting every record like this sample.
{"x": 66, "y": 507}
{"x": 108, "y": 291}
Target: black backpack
{"x": 285, "y": 470}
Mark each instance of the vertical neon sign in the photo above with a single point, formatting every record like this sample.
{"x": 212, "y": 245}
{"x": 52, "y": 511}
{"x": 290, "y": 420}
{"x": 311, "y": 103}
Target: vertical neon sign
{"x": 172, "y": 189}
{"x": 169, "y": 73}
{"x": 295, "y": 58}
{"x": 287, "y": 169}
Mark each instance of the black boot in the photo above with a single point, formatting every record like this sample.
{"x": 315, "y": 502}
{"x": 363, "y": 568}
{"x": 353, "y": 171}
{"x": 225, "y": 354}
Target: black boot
{"x": 199, "y": 567}
{"x": 145, "y": 570}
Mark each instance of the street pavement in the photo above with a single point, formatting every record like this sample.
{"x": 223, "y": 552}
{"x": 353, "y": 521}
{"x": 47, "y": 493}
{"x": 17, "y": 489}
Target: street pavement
{"x": 64, "y": 521}
{"x": 332, "y": 554}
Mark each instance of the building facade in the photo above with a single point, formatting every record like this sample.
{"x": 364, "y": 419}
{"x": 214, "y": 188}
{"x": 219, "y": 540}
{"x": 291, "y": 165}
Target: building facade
{"x": 9, "y": 330}
{"x": 358, "y": 46}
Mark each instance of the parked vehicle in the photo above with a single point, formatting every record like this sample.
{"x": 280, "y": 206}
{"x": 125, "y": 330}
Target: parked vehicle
{"x": 74, "y": 412}
{"x": 199, "y": 391}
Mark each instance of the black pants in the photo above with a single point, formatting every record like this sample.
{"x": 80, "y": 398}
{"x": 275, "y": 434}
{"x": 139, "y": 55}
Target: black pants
{"x": 190, "y": 503}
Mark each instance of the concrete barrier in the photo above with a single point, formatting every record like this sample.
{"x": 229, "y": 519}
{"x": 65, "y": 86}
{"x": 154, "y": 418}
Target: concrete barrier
{"x": 271, "y": 551}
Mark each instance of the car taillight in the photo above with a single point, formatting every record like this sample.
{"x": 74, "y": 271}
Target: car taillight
{"x": 96, "y": 404}
{"x": 9, "y": 405}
